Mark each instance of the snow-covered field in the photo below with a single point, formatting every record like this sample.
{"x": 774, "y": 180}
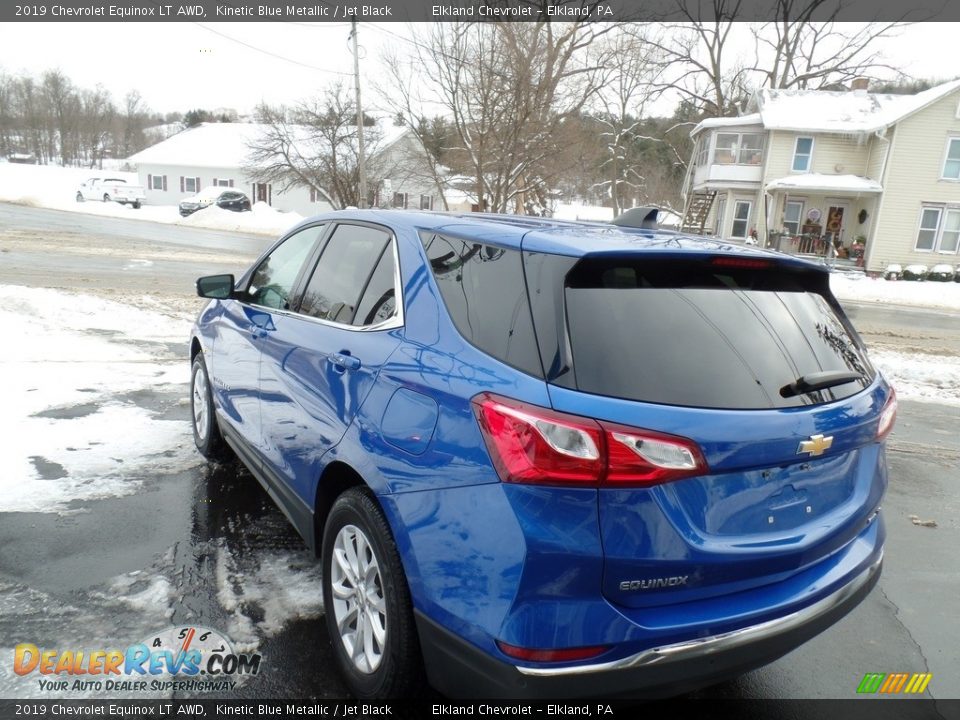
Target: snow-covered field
{"x": 54, "y": 187}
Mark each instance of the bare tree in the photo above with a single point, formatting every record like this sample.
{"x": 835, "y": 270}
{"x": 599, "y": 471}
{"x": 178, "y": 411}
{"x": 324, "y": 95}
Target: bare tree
{"x": 793, "y": 51}
{"x": 698, "y": 60}
{"x": 508, "y": 88}
{"x": 402, "y": 93}
{"x": 622, "y": 103}
{"x": 708, "y": 60}
{"x": 312, "y": 145}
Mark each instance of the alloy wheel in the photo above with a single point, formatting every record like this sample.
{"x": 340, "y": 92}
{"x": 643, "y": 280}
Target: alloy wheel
{"x": 359, "y": 605}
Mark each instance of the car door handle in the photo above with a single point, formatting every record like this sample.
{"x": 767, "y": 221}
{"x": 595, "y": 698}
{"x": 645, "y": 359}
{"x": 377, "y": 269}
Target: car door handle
{"x": 345, "y": 361}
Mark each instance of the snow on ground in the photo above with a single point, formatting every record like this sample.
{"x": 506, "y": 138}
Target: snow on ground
{"x": 578, "y": 211}
{"x": 136, "y": 605}
{"x": 860, "y": 288}
{"x": 69, "y": 432}
{"x": 55, "y": 187}
{"x": 284, "y": 585}
{"x": 926, "y": 378}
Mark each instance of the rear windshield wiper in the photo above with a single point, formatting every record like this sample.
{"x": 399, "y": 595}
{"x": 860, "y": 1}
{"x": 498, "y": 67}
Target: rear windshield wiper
{"x": 819, "y": 381}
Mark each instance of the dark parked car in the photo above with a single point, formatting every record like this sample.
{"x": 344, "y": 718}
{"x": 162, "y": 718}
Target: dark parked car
{"x": 226, "y": 198}
{"x": 551, "y": 459}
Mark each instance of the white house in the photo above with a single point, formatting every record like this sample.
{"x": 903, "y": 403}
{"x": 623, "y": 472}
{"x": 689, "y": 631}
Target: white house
{"x": 809, "y": 168}
{"x": 218, "y": 154}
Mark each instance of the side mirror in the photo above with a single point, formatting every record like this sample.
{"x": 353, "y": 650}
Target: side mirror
{"x": 218, "y": 287}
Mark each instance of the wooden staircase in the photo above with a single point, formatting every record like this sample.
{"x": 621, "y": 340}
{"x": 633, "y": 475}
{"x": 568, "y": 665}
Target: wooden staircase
{"x": 698, "y": 207}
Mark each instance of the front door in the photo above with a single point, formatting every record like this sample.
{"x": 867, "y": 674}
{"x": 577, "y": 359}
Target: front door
{"x": 261, "y": 192}
{"x": 833, "y": 228}
{"x": 320, "y": 362}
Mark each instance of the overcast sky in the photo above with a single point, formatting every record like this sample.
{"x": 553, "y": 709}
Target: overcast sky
{"x": 179, "y": 66}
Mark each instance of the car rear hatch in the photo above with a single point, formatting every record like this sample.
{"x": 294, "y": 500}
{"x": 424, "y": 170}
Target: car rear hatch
{"x": 740, "y": 378}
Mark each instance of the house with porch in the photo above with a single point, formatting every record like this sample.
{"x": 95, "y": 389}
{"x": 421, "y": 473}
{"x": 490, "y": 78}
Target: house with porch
{"x": 218, "y": 154}
{"x": 808, "y": 170}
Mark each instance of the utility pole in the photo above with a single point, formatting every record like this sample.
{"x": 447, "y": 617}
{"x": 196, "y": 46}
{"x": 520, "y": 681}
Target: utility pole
{"x": 356, "y": 81}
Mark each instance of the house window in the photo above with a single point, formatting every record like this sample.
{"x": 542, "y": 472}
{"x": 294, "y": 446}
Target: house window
{"x": 222, "y": 183}
{"x": 400, "y": 200}
{"x": 703, "y": 149}
{"x": 726, "y": 151}
{"x": 741, "y": 218}
{"x": 158, "y": 182}
{"x": 951, "y": 166}
{"x": 802, "y": 154}
{"x": 939, "y": 230}
{"x": 720, "y": 217}
{"x": 750, "y": 150}
{"x": 792, "y": 215}
{"x": 426, "y": 202}
{"x": 739, "y": 149}
{"x": 190, "y": 185}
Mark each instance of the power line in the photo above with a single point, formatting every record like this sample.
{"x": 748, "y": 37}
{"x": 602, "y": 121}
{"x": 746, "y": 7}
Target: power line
{"x": 273, "y": 54}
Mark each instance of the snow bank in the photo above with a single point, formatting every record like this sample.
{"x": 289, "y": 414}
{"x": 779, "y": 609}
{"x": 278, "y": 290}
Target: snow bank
{"x": 69, "y": 433}
{"x": 927, "y": 378}
{"x": 859, "y": 288}
{"x": 577, "y": 211}
{"x": 55, "y": 187}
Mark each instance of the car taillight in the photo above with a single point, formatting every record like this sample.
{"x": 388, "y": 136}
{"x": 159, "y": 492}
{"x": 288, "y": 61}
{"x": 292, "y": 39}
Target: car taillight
{"x": 530, "y": 444}
{"x": 642, "y": 457}
{"x": 887, "y": 416}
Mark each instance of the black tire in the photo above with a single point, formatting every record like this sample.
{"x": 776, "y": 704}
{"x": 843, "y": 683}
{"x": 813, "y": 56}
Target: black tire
{"x": 79, "y": 196}
{"x": 400, "y": 671}
{"x": 206, "y": 431}
{"x": 136, "y": 205}
{"x": 106, "y": 197}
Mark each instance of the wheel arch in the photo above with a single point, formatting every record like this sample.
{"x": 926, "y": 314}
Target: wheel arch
{"x": 337, "y": 477}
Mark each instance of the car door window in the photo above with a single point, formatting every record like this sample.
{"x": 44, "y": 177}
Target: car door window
{"x": 271, "y": 284}
{"x": 379, "y": 301}
{"x": 346, "y": 268}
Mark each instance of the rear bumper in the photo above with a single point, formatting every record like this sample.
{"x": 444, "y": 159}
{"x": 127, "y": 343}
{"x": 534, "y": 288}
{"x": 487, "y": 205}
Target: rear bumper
{"x": 460, "y": 669}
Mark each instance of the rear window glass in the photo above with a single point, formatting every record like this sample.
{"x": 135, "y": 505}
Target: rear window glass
{"x": 484, "y": 291}
{"x": 693, "y": 335}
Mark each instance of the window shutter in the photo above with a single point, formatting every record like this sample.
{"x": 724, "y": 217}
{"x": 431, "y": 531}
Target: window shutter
{"x": 214, "y": 182}
{"x": 149, "y": 182}
{"x": 164, "y": 183}
{"x": 181, "y": 183}
{"x": 269, "y": 194}
{"x": 231, "y": 182}
{"x": 197, "y": 185}
{"x": 406, "y": 201}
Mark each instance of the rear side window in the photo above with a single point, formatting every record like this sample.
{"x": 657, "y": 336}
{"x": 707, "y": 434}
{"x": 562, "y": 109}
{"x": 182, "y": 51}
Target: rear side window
{"x": 688, "y": 334}
{"x": 484, "y": 291}
{"x": 347, "y": 265}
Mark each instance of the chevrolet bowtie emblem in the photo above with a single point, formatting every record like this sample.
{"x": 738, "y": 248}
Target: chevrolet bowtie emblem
{"x": 815, "y": 445}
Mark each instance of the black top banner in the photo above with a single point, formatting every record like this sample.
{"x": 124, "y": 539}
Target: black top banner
{"x": 470, "y": 10}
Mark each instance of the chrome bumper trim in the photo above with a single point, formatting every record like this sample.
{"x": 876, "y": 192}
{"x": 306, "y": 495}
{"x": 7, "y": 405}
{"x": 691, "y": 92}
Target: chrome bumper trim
{"x": 718, "y": 643}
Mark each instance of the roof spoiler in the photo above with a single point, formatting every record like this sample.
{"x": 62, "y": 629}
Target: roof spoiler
{"x": 644, "y": 218}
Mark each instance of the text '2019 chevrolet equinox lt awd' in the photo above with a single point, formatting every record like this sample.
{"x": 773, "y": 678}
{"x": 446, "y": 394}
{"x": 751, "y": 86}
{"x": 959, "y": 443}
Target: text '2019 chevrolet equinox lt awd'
{"x": 540, "y": 458}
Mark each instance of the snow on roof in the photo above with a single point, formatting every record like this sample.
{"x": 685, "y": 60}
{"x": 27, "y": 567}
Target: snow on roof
{"x": 844, "y": 112}
{"x": 751, "y": 119}
{"x": 226, "y": 145}
{"x": 819, "y": 181}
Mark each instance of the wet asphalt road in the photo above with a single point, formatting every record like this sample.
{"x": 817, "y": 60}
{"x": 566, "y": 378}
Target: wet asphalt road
{"x": 214, "y": 538}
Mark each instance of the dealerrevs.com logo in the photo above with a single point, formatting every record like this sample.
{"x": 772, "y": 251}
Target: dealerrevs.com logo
{"x": 192, "y": 659}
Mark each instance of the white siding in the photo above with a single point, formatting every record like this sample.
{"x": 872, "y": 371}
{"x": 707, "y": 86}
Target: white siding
{"x": 912, "y": 178}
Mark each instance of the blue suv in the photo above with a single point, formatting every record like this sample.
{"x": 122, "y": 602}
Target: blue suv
{"x": 551, "y": 459}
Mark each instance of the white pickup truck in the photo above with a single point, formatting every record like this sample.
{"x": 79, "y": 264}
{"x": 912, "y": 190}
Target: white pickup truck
{"x": 111, "y": 189}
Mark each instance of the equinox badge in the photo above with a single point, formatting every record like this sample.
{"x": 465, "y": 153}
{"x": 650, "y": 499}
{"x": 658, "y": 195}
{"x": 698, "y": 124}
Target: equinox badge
{"x": 816, "y": 445}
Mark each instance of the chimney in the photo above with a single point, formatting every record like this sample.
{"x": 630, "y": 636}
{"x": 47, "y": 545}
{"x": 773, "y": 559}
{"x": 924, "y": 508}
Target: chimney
{"x": 860, "y": 84}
